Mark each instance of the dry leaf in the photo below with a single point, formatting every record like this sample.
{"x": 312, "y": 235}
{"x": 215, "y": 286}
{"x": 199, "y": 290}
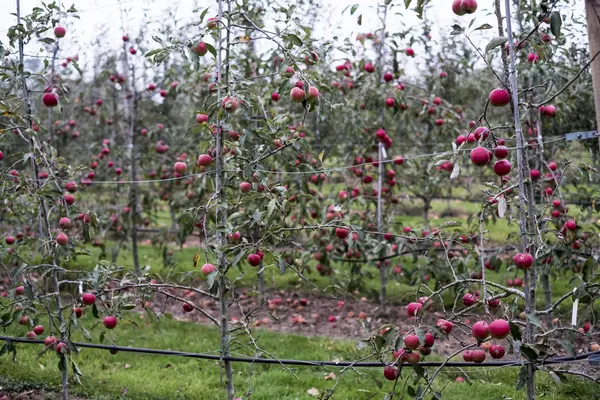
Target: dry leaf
{"x": 244, "y": 39}
{"x": 330, "y": 376}
{"x": 314, "y": 392}
{"x": 127, "y": 366}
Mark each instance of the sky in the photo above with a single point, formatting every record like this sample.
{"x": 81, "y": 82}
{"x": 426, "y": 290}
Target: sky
{"x": 104, "y": 16}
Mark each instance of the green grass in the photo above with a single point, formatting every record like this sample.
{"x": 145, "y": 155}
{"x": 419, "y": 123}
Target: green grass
{"x": 106, "y": 376}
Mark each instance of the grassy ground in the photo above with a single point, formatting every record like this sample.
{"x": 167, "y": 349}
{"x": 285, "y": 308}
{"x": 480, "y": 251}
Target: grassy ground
{"x": 146, "y": 377}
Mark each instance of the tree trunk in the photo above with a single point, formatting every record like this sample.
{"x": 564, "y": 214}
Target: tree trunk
{"x": 592, "y": 10}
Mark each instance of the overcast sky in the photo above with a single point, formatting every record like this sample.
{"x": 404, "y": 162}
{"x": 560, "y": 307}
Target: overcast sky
{"x": 96, "y": 15}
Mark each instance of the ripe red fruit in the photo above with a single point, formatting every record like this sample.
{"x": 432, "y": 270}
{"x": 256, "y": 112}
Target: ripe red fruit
{"x": 1, "y": 155}
{"x": 187, "y": 307}
{"x": 201, "y": 49}
{"x": 390, "y": 373}
{"x": 64, "y": 223}
{"x": 60, "y": 31}
{"x": 496, "y": 351}
{"x": 468, "y": 355}
{"x": 550, "y": 110}
{"x": 110, "y": 322}
{"x": 10, "y": 240}
{"x": 388, "y": 77}
{"x": 390, "y": 102}
{"x": 370, "y": 68}
{"x": 230, "y": 104}
{"x": 410, "y": 52}
{"x": 342, "y": 233}
{"x": 501, "y": 152}
{"x": 499, "y": 97}
{"x": 445, "y": 326}
{"x": 201, "y": 118}
{"x": 180, "y": 167}
{"x": 480, "y": 156}
{"x": 204, "y": 159}
{"x": 478, "y": 356}
{"x": 254, "y": 259}
{"x": 468, "y": 299}
{"x": 62, "y": 239}
{"x": 499, "y": 329}
{"x": 88, "y": 299}
{"x": 31, "y": 335}
{"x": 61, "y": 348}
{"x": 502, "y": 167}
{"x": 297, "y": 95}
{"x": 245, "y": 187}
{"x": 413, "y": 308}
{"x": 533, "y": 58}
{"x": 398, "y": 160}
{"x": 480, "y": 330}
{"x": 275, "y": 96}
{"x": 20, "y": 290}
{"x": 523, "y": 260}
{"x": 69, "y": 199}
{"x": 50, "y": 341}
{"x": 429, "y": 340}
{"x": 571, "y": 225}
{"x": 460, "y": 379}
{"x": 78, "y": 312}
{"x": 38, "y": 329}
{"x": 24, "y": 320}
{"x": 50, "y": 100}
{"x": 71, "y": 187}
{"x": 313, "y": 92}
{"x": 411, "y": 342}
{"x": 207, "y": 269}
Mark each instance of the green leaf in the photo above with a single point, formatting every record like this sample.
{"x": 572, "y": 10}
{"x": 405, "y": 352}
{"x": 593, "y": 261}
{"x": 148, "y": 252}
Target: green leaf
{"x": 588, "y": 269}
{"x": 483, "y": 27}
{"x": 353, "y": 9}
{"x": 168, "y": 315}
{"x": 211, "y": 49}
{"x": 295, "y": 40}
{"x": 95, "y": 311}
{"x": 515, "y": 331}
{"x": 456, "y": 29}
{"x": 555, "y": 23}
{"x": 534, "y": 320}
{"x": 528, "y": 352}
{"x": 76, "y": 369}
{"x": 495, "y": 42}
{"x": 450, "y": 224}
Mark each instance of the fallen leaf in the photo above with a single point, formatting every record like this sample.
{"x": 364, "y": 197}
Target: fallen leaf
{"x": 314, "y": 392}
{"x": 330, "y": 376}
{"x": 127, "y": 366}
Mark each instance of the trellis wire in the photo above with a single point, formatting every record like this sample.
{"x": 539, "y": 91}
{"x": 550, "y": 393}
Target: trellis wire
{"x": 308, "y": 363}
{"x": 323, "y": 170}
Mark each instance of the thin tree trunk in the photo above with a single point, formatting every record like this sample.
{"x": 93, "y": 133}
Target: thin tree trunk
{"x": 133, "y": 195}
{"x": 220, "y": 213}
{"x": 526, "y": 211}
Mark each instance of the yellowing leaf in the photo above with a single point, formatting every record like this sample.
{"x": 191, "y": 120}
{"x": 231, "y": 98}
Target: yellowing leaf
{"x": 196, "y": 258}
{"x": 244, "y": 39}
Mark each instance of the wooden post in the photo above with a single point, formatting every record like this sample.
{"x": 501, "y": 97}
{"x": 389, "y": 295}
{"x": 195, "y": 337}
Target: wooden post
{"x": 592, "y": 10}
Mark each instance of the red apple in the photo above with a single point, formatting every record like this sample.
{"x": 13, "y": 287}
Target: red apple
{"x": 499, "y": 329}
{"x": 110, "y": 322}
{"x": 88, "y": 299}
{"x": 480, "y": 330}
{"x": 480, "y": 156}
{"x": 50, "y": 99}
{"x": 60, "y": 31}
{"x": 390, "y": 373}
{"x": 499, "y": 97}
{"x": 207, "y": 269}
